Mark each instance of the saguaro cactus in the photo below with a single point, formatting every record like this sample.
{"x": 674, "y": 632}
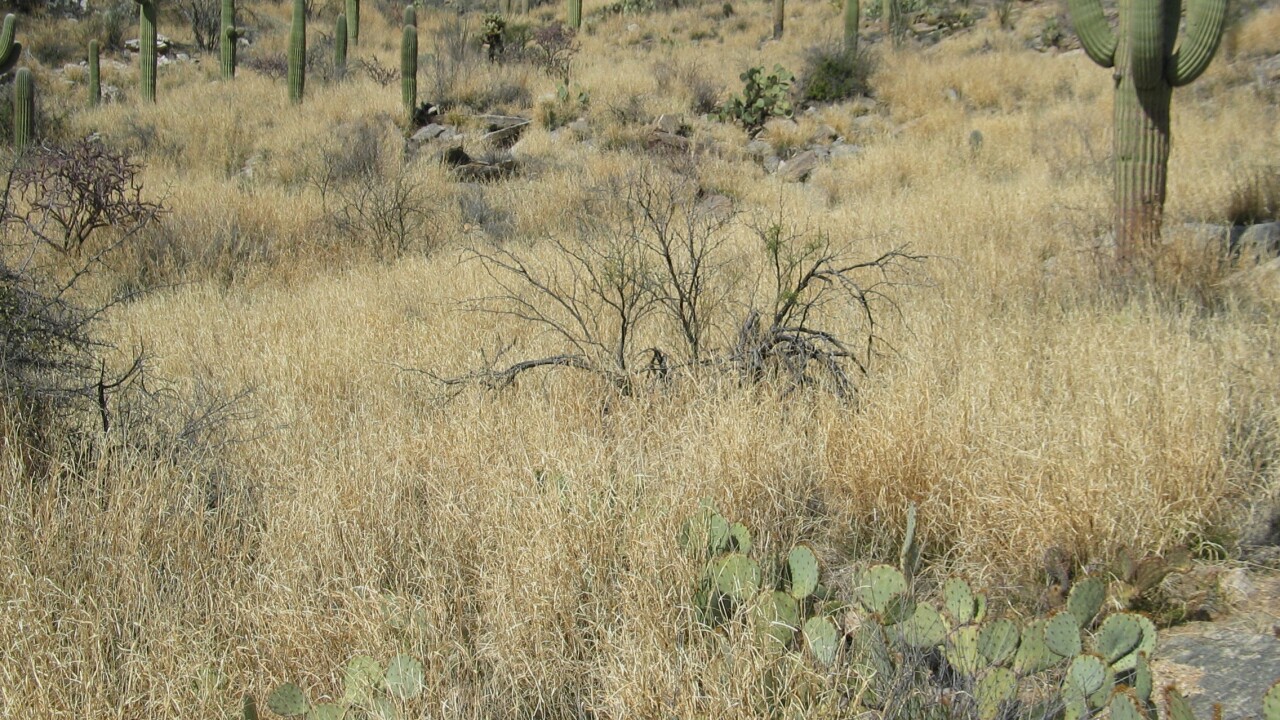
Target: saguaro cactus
{"x": 147, "y": 49}
{"x": 340, "y": 44}
{"x": 779, "y": 13}
{"x": 10, "y": 50}
{"x": 24, "y": 109}
{"x": 353, "y": 23}
{"x": 575, "y": 14}
{"x": 227, "y": 39}
{"x": 298, "y": 51}
{"x": 95, "y": 87}
{"x": 1147, "y": 68}
{"x": 411, "y": 15}
{"x": 893, "y": 20}
{"x": 409, "y": 70}
{"x": 851, "y": 22}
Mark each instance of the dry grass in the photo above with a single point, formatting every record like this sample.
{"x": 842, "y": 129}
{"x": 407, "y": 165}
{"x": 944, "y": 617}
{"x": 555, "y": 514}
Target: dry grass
{"x": 1036, "y": 400}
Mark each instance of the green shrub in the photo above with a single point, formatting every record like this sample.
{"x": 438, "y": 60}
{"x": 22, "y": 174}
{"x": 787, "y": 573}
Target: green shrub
{"x": 830, "y": 74}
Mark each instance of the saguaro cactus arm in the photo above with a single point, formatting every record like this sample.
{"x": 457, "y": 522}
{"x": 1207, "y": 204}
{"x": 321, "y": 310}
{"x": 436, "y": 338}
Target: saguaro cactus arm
{"x": 10, "y": 51}
{"x": 1205, "y": 22}
{"x": 1095, "y": 32}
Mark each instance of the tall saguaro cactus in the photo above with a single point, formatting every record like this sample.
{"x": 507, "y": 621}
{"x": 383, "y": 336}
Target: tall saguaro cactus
{"x": 24, "y": 109}
{"x": 95, "y": 86}
{"x": 851, "y": 23}
{"x": 227, "y": 39}
{"x": 298, "y": 51}
{"x": 411, "y": 15}
{"x": 147, "y": 49}
{"x": 353, "y": 23}
{"x": 779, "y": 15}
{"x": 1147, "y": 68}
{"x": 340, "y": 44}
{"x": 409, "y": 70}
{"x": 10, "y": 50}
{"x": 575, "y": 14}
{"x": 892, "y": 11}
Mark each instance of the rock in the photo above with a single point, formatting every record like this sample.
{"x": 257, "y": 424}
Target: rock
{"x": 1236, "y": 586}
{"x": 759, "y": 149}
{"x": 493, "y": 123}
{"x": 182, "y": 57}
{"x": 661, "y": 141}
{"x": 1258, "y": 243}
{"x": 425, "y": 114}
{"x": 1223, "y": 664}
{"x": 771, "y": 163}
{"x": 798, "y": 168}
{"x": 579, "y": 127}
{"x": 434, "y": 131}
{"x": 780, "y": 125}
{"x": 824, "y": 135}
{"x": 951, "y": 94}
{"x": 485, "y": 172}
{"x": 1268, "y": 71}
{"x": 505, "y": 136}
{"x": 844, "y": 150}
{"x": 135, "y": 45}
{"x": 670, "y": 124}
{"x": 455, "y": 156}
{"x": 715, "y": 206}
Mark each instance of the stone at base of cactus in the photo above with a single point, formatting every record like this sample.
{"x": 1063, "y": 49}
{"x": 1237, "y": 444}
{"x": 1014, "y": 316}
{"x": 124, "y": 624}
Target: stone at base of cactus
{"x": 24, "y": 109}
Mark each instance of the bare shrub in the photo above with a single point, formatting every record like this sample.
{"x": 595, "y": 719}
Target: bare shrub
{"x": 204, "y": 17}
{"x": 649, "y": 291}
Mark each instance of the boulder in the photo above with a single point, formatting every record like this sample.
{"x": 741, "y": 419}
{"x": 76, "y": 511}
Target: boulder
{"x": 798, "y": 168}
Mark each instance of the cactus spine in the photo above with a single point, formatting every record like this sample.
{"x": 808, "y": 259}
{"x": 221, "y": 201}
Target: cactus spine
{"x": 24, "y": 109}
{"x": 1147, "y": 68}
{"x": 95, "y": 87}
{"x": 340, "y": 44}
{"x": 353, "y": 23}
{"x": 147, "y": 49}
{"x": 575, "y": 14}
{"x": 298, "y": 52}
{"x": 779, "y": 12}
{"x": 851, "y": 21}
{"x": 227, "y": 39}
{"x": 409, "y": 70}
{"x": 10, "y": 51}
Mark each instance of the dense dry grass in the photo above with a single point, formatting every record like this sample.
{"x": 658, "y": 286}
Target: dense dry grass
{"x": 1036, "y": 400}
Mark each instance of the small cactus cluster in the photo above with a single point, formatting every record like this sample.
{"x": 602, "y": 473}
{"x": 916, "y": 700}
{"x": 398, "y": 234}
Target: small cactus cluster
{"x": 787, "y": 608}
{"x": 1096, "y": 664}
{"x": 368, "y": 689}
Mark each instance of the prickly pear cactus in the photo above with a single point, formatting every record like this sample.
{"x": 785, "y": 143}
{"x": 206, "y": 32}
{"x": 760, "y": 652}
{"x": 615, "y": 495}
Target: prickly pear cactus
{"x": 1271, "y": 703}
{"x": 298, "y": 52}
{"x": 147, "y": 49}
{"x": 802, "y": 565}
{"x": 1085, "y": 600}
{"x": 1149, "y": 61}
{"x": 10, "y": 50}
{"x": 24, "y": 109}
{"x": 95, "y": 86}
{"x": 288, "y": 700}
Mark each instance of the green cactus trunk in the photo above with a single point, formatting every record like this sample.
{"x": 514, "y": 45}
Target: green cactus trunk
{"x": 340, "y": 45}
{"x": 147, "y": 49}
{"x": 411, "y": 15}
{"x": 779, "y": 14}
{"x": 95, "y": 87}
{"x": 298, "y": 52}
{"x": 1147, "y": 68}
{"x": 893, "y": 20}
{"x": 24, "y": 109}
{"x": 851, "y": 22}
{"x": 409, "y": 70}
{"x": 227, "y": 38}
{"x": 575, "y": 14}
{"x": 353, "y": 23}
{"x": 10, "y": 50}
